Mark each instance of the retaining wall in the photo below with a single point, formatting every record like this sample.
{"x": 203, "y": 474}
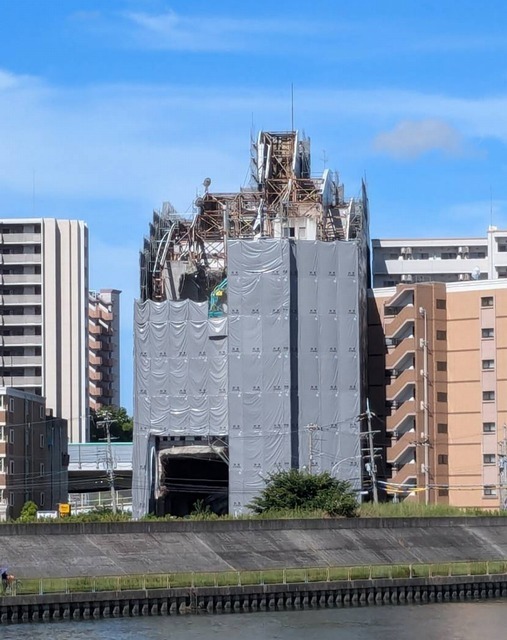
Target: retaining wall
{"x": 99, "y": 549}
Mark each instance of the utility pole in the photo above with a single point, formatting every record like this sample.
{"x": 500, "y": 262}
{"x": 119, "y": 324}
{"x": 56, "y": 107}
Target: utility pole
{"x": 426, "y": 435}
{"x": 502, "y": 469}
{"x": 106, "y": 423}
{"x": 311, "y": 428}
{"x": 371, "y": 467}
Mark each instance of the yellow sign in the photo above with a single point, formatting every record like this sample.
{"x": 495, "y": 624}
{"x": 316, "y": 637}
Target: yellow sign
{"x": 63, "y": 509}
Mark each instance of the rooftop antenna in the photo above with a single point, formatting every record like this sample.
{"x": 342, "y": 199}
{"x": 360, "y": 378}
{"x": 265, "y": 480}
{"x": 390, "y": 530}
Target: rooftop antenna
{"x": 292, "y": 106}
{"x": 490, "y": 206}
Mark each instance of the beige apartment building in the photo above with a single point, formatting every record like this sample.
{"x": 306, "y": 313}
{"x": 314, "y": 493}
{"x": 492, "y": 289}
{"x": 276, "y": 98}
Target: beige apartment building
{"x": 104, "y": 348}
{"x": 33, "y": 454}
{"x": 437, "y": 373}
{"x": 44, "y": 314}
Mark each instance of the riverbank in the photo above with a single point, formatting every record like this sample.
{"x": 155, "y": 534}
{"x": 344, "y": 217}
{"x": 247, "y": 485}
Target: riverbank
{"x": 154, "y": 602}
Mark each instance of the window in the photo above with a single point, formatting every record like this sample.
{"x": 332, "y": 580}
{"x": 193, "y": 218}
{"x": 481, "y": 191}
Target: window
{"x": 11, "y": 498}
{"x": 42, "y": 413}
{"x": 424, "y": 256}
{"x": 488, "y": 396}
{"x": 11, "y": 405}
{"x": 443, "y": 493}
{"x": 488, "y": 427}
{"x": 489, "y": 458}
{"x": 489, "y": 491}
{"x": 441, "y": 427}
{"x": 2, "y": 433}
{"x": 487, "y": 301}
{"x": 449, "y": 256}
{"x": 41, "y": 499}
{"x": 389, "y": 283}
{"x": 41, "y": 441}
{"x": 441, "y": 335}
{"x": 442, "y": 366}
{"x": 11, "y": 467}
{"x": 443, "y": 459}
{"x": 441, "y": 304}
{"x": 11, "y": 436}
{"x": 488, "y": 333}
{"x": 488, "y": 364}
{"x": 441, "y": 396}
{"x": 3, "y": 464}
{"x": 41, "y": 469}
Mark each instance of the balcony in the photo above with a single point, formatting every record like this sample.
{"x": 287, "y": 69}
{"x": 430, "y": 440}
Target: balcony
{"x": 393, "y": 357}
{"x": 405, "y": 473}
{"x": 399, "y": 383}
{"x": 20, "y": 238}
{"x": 18, "y": 300}
{"x": 396, "y": 418}
{"x": 95, "y": 376}
{"x": 20, "y": 341}
{"x": 20, "y": 361}
{"x": 20, "y": 381}
{"x": 95, "y": 361}
{"x": 20, "y": 258}
{"x": 20, "y": 320}
{"x": 99, "y": 312}
{"x": 399, "y": 320}
{"x": 400, "y": 446}
{"x": 20, "y": 278}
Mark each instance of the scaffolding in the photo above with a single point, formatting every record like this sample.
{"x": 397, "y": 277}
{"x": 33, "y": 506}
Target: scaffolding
{"x": 187, "y": 257}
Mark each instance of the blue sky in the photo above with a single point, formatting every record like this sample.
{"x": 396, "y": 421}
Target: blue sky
{"x": 107, "y": 109}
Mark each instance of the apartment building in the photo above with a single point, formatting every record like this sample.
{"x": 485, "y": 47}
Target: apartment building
{"x": 104, "y": 348}
{"x": 33, "y": 454}
{"x": 410, "y": 260}
{"x": 438, "y": 363}
{"x": 43, "y": 314}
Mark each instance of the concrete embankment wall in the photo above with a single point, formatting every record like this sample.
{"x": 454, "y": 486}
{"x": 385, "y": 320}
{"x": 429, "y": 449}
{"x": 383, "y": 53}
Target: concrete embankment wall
{"x": 251, "y": 598}
{"x": 98, "y": 549}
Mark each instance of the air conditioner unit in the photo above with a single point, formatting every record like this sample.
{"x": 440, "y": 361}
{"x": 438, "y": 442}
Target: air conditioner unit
{"x": 464, "y": 276}
{"x": 462, "y": 249}
{"x": 406, "y": 277}
{"x": 406, "y": 251}
{"x": 395, "y": 373}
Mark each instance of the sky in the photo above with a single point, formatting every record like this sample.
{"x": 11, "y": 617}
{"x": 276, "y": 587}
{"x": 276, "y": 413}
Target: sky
{"x": 109, "y": 109}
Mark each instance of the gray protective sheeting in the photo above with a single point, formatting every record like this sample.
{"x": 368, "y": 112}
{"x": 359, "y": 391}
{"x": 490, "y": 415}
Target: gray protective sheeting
{"x": 286, "y": 356}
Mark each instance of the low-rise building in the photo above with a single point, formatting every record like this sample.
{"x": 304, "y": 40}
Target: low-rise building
{"x": 413, "y": 260}
{"x": 33, "y": 454}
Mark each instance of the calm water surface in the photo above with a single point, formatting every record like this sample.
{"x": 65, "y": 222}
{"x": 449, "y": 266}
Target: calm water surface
{"x": 454, "y": 621}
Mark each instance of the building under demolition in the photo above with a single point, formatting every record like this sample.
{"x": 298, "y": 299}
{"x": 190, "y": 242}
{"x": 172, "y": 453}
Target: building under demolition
{"x": 249, "y": 354}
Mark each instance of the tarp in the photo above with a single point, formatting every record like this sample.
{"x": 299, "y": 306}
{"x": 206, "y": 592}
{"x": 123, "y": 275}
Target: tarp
{"x": 287, "y": 356}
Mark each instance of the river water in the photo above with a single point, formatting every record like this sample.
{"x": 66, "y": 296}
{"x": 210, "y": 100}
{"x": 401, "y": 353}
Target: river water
{"x": 449, "y": 621}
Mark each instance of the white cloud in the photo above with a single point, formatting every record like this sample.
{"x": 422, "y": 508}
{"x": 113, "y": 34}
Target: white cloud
{"x": 413, "y": 138}
{"x": 209, "y": 31}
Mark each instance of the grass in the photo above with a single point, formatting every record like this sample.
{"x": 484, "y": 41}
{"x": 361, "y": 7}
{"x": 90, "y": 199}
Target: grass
{"x": 414, "y": 510}
{"x": 185, "y": 580}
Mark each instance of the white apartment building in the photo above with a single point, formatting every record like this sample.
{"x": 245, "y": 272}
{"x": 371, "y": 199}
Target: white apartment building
{"x": 44, "y": 314}
{"x": 410, "y": 260}
{"x": 104, "y": 348}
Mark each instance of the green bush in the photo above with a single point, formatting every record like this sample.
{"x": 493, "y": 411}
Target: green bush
{"x": 301, "y": 491}
{"x": 28, "y": 512}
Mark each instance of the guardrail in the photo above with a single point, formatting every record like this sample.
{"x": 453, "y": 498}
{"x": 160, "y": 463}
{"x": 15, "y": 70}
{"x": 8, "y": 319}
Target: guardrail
{"x": 45, "y": 586}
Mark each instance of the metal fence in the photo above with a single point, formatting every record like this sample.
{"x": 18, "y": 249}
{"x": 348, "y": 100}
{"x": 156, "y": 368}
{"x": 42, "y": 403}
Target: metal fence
{"x": 44, "y": 586}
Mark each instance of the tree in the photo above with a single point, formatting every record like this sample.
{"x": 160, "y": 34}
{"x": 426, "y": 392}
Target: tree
{"x": 28, "y": 512}
{"x": 299, "y": 490}
{"x": 121, "y": 426}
